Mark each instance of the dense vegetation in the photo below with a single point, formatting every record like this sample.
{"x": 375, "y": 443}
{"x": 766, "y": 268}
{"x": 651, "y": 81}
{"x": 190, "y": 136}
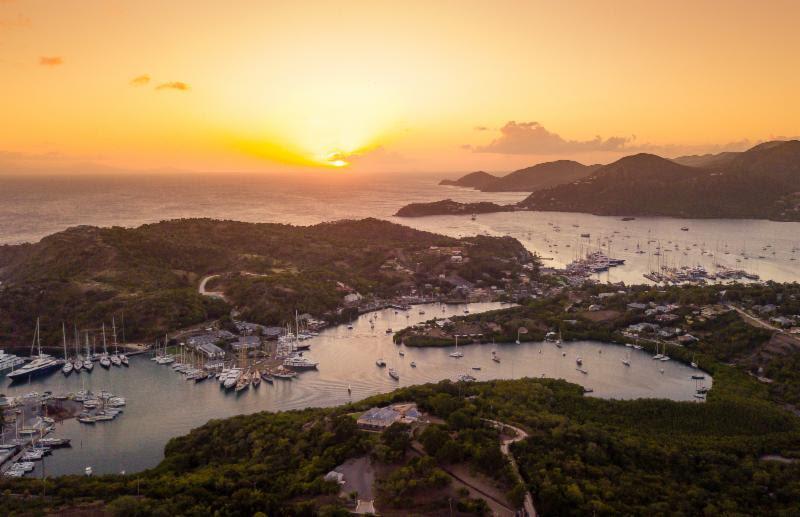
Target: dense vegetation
{"x": 151, "y": 273}
{"x": 450, "y": 207}
{"x": 759, "y": 183}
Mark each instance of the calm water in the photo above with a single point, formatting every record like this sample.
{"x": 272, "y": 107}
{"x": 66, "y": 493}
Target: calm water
{"x": 161, "y": 404}
{"x": 34, "y": 207}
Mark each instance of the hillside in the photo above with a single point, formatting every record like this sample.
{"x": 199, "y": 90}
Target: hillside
{"x": 763, "y": 182}
{"x": 706, "y": 160}
{"x": 541, "y": 176}
{"x": 476, "y": 180}
{"x": 450, "y": 207}
{"x": 529, "y": 179}
{"x": 151, "y": 273}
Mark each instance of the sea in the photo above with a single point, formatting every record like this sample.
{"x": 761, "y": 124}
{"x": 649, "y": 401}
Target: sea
{"x": 34, "y": 207}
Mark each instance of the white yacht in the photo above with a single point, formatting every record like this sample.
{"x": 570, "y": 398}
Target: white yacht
{"x": 42, "y": 363}
{"x": 393, "y": 374}
{"x": 299, "y": 362}
{"x": 9, "y": 361}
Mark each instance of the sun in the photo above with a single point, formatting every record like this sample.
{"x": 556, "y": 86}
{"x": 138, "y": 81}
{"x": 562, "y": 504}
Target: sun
{"x": 339, "y": 163}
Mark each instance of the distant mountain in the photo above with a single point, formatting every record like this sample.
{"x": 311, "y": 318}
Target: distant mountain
{"x": 543, "y": 175}
{"x": 763, "y": 182}
{"x": 450, "y": 207}
{"x": 529, "y": 179}
{"x": 707, "y": 160}
{"x": 476, "y": 180}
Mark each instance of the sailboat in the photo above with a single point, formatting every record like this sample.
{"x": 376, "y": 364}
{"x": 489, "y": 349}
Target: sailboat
{"x": 627, "y": 360}
{"x": 115, "y": 360}
{"x": 457, "y": 352}
{"x": 68, "y": 366}
{"x": 77, "y": 363}
{"x": 693, "y": 363}
{"x": 122, "y": 357}
{"x": 105, "y": 362}
{"x": 657, "y": 356}
{"x": 88, "y": 365}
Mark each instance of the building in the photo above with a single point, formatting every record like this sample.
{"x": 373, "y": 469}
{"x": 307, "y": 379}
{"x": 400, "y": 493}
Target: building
{"x": 210, "y": 350}
{"x": 247, "y": 343}
{"x": 352, "y": 298}
{"x": 378, "y": 419}
{"x": 274, "y": 332}
{"x": 212, "y": 338}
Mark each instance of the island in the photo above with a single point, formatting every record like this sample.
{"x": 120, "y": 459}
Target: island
{"x": 450, "y": 207}
{"x": 760, "y": 183}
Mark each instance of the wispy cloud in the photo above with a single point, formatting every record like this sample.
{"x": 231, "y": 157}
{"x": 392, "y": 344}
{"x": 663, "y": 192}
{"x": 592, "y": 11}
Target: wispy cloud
{"x": 174, "y": 85}
{"x": 141, "y": 80}
{"x": 481, "y": 128}
{"x": 51, "y": 60}
{"x": 533, "y": 138}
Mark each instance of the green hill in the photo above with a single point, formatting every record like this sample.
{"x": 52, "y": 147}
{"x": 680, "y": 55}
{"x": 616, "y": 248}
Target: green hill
{"x": 151, "y": 273}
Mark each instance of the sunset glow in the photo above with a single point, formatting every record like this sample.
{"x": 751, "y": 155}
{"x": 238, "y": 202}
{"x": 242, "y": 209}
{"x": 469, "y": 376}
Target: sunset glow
{"x": 262, "y": 86}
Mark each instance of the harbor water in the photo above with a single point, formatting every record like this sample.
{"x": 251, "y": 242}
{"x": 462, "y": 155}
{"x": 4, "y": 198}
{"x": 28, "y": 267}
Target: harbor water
{"x": 162, "y": 405}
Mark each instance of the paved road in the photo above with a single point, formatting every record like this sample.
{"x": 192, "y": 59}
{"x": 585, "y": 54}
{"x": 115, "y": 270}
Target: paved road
{"x": 202, "y": 288}
{"x": 752, "y": 320}
{"x": 505, "y": 448}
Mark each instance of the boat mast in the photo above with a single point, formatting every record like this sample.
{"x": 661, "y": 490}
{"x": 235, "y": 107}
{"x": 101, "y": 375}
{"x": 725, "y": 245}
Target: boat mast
{"x": 114, "y": 331}
{"x": 105, "y": 350}
{"x": 64, "y": 336}
{"x": 38, "y": 337}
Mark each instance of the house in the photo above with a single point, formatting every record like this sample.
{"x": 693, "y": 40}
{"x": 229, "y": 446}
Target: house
{"x": 378, "y": 419}
{"x": 637, "y": 306}
{"x": 352, "y": 298}
{"x": 782, "y": 321}
{"x": 336, "y": 477}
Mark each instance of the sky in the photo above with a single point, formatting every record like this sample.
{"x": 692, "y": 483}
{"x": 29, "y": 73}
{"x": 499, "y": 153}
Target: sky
{"x": 259, "y": 86}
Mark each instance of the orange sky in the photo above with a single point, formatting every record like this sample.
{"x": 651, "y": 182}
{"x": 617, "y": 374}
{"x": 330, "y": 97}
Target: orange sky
{"x": 388, "y": 86}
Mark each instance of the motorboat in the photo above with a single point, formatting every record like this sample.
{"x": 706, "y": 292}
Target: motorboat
{"x": 393, "y": 374}
{"x": 380, "y": 362}
{"x": 299, "y": 362}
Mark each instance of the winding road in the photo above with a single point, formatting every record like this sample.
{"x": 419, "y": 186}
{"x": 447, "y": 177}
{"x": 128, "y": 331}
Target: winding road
{"x": 505, "y": 448}
{"x": 214, "y": 294}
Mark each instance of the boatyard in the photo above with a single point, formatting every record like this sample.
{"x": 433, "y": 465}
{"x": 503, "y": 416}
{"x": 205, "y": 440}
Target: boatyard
{"x": 30, "y": 420}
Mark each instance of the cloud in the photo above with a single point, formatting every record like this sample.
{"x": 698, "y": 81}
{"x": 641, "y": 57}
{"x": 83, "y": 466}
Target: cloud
{"x": 533, "y": 138}
{"x": 51, "y": 60}
{"x": 481, "y": 128}
{"x": 174, "y": 85}
{"x": 140, "y": 80}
